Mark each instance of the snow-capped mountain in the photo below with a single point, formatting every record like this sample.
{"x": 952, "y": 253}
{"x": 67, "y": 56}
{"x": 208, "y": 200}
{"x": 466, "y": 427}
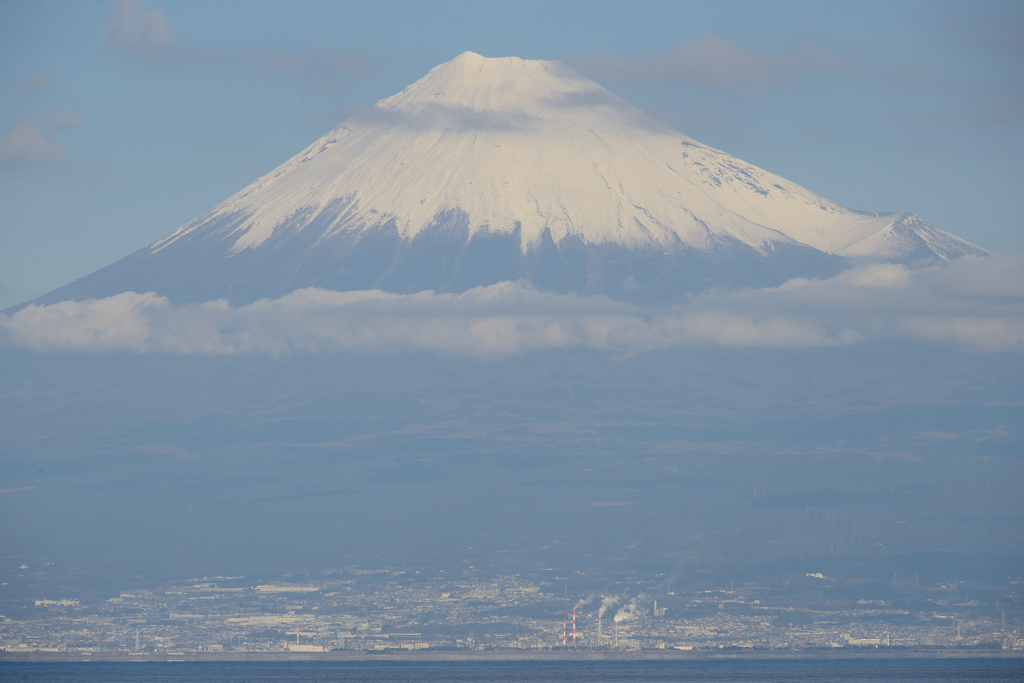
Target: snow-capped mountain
{"x": 504, "y": 169}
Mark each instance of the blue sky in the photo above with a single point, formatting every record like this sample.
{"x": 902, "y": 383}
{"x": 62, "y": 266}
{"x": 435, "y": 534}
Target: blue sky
{"x": 120, "y": 121}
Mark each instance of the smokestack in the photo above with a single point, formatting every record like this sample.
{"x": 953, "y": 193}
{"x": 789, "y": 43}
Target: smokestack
{"x": 574, "y": 628}
{"x": 607, "y": 601}
{"x": 296, "y": 634}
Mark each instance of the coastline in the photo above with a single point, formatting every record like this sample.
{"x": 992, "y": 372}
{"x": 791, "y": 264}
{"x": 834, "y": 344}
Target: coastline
{"x": 509, "y": 656}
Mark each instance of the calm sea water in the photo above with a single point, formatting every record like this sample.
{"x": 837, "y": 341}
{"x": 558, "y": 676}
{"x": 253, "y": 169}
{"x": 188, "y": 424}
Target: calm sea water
{"x": 803, "y": 671}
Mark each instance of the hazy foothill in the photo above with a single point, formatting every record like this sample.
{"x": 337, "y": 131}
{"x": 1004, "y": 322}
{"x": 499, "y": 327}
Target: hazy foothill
{"x": 505, "y": 324}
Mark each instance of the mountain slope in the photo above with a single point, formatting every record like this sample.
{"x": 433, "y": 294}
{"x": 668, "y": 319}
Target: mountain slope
{"x": 493, "y": 169}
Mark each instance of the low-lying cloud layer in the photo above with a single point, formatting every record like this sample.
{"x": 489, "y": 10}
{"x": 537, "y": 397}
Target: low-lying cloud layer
{"x": 974, "y": 302}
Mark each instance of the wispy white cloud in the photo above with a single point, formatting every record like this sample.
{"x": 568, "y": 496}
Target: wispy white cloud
{"x": 337, "y": 62}
{"x": 138, "y": 30}
{"x": 33, "y": 142}
{"x": 38, "y": 81}
{"x": 142, "y": 32}
{"x": 944, "y": 304}
{"x": 27, "y": 145}
{"x": 713, "y": 61}
{"x": 62, "y": 119}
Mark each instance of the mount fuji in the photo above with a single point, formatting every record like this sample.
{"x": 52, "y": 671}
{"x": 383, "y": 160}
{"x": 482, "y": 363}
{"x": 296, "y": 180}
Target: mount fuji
{"x": 488, "y": 170}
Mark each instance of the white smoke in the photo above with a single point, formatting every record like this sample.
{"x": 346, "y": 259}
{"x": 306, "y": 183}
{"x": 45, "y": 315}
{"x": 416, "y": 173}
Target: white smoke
{"x": 607, "y": 602}
{"x": 584, "y": 601}
{"x": 634, "y": 609}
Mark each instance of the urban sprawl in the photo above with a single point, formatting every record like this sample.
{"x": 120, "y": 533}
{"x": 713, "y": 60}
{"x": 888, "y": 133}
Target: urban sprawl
{"x": 394, "y": 611}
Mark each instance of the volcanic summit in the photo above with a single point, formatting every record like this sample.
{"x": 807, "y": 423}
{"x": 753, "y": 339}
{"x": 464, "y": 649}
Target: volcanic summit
{"x": 488, "y": 170}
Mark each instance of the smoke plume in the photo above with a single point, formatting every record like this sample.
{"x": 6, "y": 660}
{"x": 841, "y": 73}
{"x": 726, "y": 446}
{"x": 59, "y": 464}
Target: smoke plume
{"x": 607, "y": 602}
{"x": 584, "y": 601}
{"x": 634, "y": 609}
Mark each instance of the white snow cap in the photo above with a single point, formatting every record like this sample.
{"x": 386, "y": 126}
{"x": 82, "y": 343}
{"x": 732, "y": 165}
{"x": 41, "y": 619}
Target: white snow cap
{"x": 512, "y": 143}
